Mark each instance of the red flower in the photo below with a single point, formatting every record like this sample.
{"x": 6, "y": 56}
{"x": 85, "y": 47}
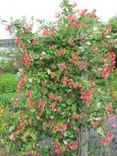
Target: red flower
{"x": 75, "y": 25}
{"x": 44, "y": 126}
{"x": 109, "y": 28}
{"x": 94, "y": 48}
{"x": 75, "y": 85}
{"x": 75, "y": 54}
{"x": 54, "y": 46}
{"x": 107, "y": 140}
{"x": 20, "y": 84}
{"x": 13, "y": 136}
{"x": 61, "y": 127}
{"x": 92, "y": 15}
{"x": 83, "y": 12}
{"x": 103, "y": 36}
{"x": 53, "y": 33}
{"x": 105, "y": 73}
{"x": 46, "y": 32}
{"x": 103, "y": 59}
{"x": 110, "y": 109}
{"x": 75, "y": 116}
{"x": 15, "y": 105}
{"x": 62, "y": 66}
{"x": 72, "y": 18}
{"x": 26, "y": 60}
{"x": 58, "y": 148}
{"x": 61, "y": 52}
{"x": 70, "y": 41}
{"x": 94, "y": 124}
{"x": 53, "y": 106}
{"x": 17, "y": 40}
{"x": 65, "y": 80}
{"x": 34, "y": 41}
{"x": 41, "y": 104}
{"x": 28, "y": 93}
{"x": 58, "y": 98}
{"x": 72, "y": 146}
{"x": 86, "y": 95}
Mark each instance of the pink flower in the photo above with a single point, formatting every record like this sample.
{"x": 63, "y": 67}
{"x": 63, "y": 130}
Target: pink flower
{"x": 112, "y": 126}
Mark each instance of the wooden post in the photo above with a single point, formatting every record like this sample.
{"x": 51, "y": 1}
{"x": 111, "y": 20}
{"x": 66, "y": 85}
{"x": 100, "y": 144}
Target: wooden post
{"x": 84, "y": 137}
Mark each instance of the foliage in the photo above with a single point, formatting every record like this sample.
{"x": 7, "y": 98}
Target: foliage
{"x": 113, "y": 23}
{"x": 8, "y": 67}
{"x": 8, "y": 86}
{"x": 53, "y": 60}
{"x": 8, "y": 83}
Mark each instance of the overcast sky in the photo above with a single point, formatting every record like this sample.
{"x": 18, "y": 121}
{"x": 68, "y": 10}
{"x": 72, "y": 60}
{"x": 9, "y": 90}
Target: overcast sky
{"x": 47, "y": 8}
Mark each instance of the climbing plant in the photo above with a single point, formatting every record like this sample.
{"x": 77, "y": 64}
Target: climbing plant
{"x": 52, "y": 91}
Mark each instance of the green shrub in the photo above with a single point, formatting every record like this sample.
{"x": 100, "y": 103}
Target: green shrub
{"x": 8, "y": 83}
{"x": 10, "y": 69}
{"x": 6, "y": 99}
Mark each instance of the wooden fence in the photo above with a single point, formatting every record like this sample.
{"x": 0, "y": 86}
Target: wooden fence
{"x": 7, "y": 43}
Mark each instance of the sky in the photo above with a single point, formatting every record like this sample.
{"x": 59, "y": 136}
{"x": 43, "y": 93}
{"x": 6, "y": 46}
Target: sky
{"x": 46, "y": 9}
